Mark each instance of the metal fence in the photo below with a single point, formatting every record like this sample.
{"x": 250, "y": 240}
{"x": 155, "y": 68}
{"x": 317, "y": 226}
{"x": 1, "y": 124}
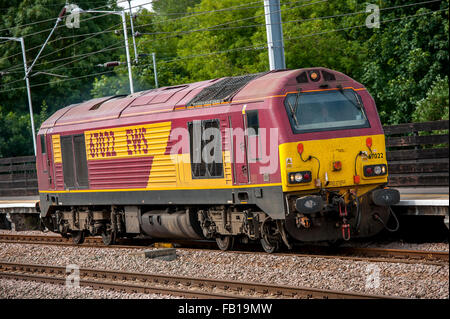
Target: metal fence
{"x": 418, "y": 154}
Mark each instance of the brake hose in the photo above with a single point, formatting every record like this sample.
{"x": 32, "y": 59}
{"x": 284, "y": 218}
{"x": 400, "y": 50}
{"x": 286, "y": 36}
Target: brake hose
{"x": 377, "y": 217}
{"x": 358, "y": 212}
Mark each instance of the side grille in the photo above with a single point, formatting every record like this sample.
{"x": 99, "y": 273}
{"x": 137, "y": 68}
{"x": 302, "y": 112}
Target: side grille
{"x": 223, "y": 90}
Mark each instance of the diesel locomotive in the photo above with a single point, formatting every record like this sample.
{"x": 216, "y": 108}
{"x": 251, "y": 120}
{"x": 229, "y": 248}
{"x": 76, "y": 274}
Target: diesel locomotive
{"x": 278, "y": 157}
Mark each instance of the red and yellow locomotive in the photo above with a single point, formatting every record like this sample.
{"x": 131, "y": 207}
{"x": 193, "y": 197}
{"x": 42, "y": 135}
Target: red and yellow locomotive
{"x": 281, "y": 156}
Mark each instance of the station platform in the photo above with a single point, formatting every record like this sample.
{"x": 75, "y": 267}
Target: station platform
{"x": 19, "y": 204}
{"x": 424, "y": 201}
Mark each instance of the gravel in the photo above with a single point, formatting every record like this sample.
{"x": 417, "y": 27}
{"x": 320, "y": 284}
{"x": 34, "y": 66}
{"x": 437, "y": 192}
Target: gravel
{"x": 403, "y": 245}
{"x": 444, "y": 246}
{"x": 12, "y": 289}
{"x": 395, "y": 279}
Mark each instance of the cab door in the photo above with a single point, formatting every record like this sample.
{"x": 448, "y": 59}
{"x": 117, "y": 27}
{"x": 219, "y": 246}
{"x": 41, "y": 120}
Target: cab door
{"x": 238, "y": 141}
{"x": 49, "y": 161}
{"x": 43, "y": 163}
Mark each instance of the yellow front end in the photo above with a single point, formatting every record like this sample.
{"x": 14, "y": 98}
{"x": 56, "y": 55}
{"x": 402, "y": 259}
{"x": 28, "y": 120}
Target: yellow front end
{"x": 342, "y": 162}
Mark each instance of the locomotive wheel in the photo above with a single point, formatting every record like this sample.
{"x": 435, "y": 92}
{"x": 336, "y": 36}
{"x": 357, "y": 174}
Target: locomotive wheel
{"x": 225, "y": 242}
{"x": 78, "y": 237}
{"x": 270, "y": 246}
{"x": 109, "y": 238}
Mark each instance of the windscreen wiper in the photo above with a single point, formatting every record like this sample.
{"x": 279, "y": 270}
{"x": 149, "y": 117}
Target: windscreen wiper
{"x": 358, "y": 106}
{"x": 294, "y": 116}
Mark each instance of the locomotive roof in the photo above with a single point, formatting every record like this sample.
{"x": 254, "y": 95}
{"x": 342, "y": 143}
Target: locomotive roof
{"x": 199, "y": 94}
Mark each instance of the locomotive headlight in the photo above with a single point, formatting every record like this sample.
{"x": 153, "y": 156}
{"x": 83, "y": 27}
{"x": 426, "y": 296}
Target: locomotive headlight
{"x": 298, "y": 177}
{"x": 377, "y": 170}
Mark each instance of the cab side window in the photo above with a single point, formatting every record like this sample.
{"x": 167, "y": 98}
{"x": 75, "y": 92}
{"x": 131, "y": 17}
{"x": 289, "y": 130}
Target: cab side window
{"x": 253, "y": 122}
{"x": 206, "y": 149}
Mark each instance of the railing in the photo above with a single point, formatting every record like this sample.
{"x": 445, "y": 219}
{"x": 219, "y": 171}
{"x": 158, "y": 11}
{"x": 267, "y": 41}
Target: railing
{"x": 416, "y": 156}
{"x": 18, "y": 176}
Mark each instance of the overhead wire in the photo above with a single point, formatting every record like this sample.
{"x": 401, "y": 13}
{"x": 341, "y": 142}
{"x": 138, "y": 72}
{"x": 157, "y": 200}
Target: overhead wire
{"x": 236, "y": 21}
{"x": 97, "y": 33}
{"x": 54, "y": 19}
{"x": 229, "y": 22}
{"x": 254, "y": 47}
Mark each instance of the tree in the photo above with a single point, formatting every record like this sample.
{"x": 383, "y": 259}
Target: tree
{"x": 435, "y": 105}
{"x": 62, "y": 47}
{"x": 404, "y": 58}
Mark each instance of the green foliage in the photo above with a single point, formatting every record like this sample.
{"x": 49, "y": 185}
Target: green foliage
{"x": 15, "y": 134}
{"x": 172, "y": 7}
{"x": 404, "y": 59}
{"x": 435, "y": 106}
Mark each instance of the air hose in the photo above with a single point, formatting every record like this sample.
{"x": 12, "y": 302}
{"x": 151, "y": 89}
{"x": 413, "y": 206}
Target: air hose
{"x": 377, "y": 217}
{"x": 358, "y": 213}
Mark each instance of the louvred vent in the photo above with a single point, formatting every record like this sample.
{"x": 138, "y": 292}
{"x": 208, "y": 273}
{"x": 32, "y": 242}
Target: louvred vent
{"x": 327, "y": 76}
{"x": 302, "y": 78}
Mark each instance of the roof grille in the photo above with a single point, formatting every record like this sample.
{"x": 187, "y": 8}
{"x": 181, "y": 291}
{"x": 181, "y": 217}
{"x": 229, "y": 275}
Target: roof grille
{"x": 223, "y": 90}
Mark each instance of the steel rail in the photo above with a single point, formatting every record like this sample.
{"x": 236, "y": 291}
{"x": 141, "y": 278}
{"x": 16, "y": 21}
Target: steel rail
{"x": 194, "y": 287}
{"x": 347, "y": 253}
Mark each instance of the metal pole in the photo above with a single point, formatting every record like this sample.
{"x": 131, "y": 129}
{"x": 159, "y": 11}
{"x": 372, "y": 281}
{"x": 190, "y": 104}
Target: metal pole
{"x": 63, "y": 11}
{"x": 274, "y": 34}
{"x": 132, "y": 33}
{"x": 27, "y": 81}
{"x": 154, "y": 69}
{"x": 130, "y": 77}
{"x": 22, "y": 43}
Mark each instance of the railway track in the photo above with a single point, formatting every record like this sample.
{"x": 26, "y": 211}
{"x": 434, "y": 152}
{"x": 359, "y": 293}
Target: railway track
{"x": 187, "y": 287}
{"x": 348, "y": 253}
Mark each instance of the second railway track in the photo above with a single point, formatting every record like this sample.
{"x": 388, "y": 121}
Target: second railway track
{"x": 187, "y": 287}
{"x": 350, "y": 253}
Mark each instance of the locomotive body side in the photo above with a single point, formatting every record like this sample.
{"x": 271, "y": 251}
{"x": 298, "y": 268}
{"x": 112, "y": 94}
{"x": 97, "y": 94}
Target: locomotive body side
{"x": 122, "y": 166}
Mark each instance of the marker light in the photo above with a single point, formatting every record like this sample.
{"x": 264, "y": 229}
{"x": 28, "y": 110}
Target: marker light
{"x": 375, "y": 170}
{"x": 314, "y": 75}
{"x": 369, "y": 142}
{"x": 337, "y": 166}
{"x": 300, "y": 148}
{"x": 299, "y": 177}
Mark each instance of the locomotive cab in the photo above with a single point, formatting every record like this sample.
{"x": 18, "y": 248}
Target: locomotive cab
{"x": 333, "y": 164}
